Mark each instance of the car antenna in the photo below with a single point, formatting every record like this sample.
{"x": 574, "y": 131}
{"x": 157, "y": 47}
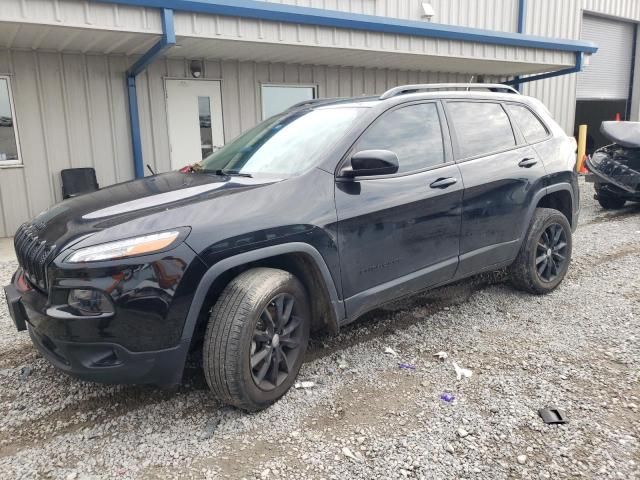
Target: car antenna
{"x": 151, "y": 169}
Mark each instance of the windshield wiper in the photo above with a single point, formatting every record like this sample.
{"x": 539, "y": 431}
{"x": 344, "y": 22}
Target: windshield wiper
{"x": 233, "y": 173}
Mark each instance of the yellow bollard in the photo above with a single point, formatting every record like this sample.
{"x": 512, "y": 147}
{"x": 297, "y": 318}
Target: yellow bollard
{"x": 582, "y": 147}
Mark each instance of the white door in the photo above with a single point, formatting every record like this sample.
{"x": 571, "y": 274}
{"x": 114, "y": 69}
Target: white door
{"x": 194, "y": 110}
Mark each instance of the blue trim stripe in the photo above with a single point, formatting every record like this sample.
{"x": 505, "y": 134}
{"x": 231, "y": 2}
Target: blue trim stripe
{"x": 167, "y": 41}
{"x": 330, "y": 18}
{"x": 522, "y": 15}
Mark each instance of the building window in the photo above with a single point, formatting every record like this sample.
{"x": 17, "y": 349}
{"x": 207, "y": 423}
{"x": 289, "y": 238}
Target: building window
{"x": 277, "y": 98}
{"x": 9, "y": 146}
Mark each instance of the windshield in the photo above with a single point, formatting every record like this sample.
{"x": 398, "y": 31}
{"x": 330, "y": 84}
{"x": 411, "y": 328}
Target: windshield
{"x": 284, "y": 145}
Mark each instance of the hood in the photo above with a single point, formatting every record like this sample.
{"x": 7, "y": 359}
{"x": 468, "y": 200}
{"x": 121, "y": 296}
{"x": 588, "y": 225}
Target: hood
{"x": 88, "y": 214}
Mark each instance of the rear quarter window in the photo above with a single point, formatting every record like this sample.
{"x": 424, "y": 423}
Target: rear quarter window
{"x": 530, "y": 126}
{"x": 481, "y": 128}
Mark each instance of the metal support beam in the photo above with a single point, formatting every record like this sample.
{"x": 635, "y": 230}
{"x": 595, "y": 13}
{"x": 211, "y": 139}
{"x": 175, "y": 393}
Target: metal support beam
{"x": 167, "y": 41}
{"x": 542, "y": 76}
{"x": 522, "y": 18}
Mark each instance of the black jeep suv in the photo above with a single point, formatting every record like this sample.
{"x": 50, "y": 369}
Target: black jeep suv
{"x": 307, "y": 221}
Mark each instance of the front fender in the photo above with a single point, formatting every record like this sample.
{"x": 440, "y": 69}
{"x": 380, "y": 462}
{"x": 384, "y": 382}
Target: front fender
{"x": 228, "y": 263}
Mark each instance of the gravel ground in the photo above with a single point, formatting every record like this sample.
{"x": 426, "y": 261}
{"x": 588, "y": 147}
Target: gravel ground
{"x": 365, "y": 417}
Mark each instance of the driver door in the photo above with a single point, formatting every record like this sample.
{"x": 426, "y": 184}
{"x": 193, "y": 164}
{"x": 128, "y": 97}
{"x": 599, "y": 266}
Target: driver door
{"x": 400, "y": 233}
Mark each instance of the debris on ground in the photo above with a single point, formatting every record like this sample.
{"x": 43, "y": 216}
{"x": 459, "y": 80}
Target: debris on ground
{"x": 357, "y": 457}
{"x": 406, "y": 366}
{"x": 462, "y": 433}
{"x": 304, "y": 385}
{"x": 442, "y": 356}
{"x": 391, "y": 351}
{"x": 552, "y": 416}
{"x": 210, "y": 429}
{"x": 342, "y": 363}
{"x": 25, "y": 372}
{"x": 447, "y": 397}
{"x": 461, "y": 372}
{"x": 522, "y": 459}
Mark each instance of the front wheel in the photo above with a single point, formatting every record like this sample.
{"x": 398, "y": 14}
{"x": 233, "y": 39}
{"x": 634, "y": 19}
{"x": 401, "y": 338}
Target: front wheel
{"x": 256, "y": 338}
{"x": 544, "y": 257}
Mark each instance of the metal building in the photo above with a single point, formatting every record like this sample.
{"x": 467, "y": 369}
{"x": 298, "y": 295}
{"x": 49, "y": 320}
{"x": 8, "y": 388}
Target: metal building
{"x": 119, "y": 84}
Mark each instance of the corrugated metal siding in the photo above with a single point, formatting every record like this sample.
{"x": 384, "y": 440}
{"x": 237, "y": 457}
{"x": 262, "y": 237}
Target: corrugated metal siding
{"x": 82, "y": 13}
{"x": 563, "y": 19}
{"x": 197, "y": 26}
{"x": 71, "y": 111}
{"x": 492, "y": 14}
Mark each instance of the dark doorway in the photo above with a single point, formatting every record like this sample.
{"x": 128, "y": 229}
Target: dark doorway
{"x": 593, "y": 113}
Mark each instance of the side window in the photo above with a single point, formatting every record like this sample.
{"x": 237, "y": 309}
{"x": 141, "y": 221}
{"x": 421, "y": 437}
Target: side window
{"x": 481, "y": 128}
{"x": 532, "y": 129}
{"x": 413, "y": 133}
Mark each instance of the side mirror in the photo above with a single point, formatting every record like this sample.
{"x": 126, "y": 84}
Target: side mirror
{"x": 372, "y": 162}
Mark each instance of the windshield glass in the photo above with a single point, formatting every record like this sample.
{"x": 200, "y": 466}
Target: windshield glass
{"x": 284, "y": 145}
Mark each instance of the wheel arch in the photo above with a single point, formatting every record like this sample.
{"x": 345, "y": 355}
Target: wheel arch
{"x": 560, "y": 199}
{"x": 559, "y": 196}
{"x": 300, "y": 259}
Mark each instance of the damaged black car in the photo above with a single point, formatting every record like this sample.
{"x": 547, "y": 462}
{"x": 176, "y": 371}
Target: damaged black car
{"x": 616, "y": 167}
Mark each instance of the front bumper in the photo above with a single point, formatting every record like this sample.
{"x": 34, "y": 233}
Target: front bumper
{"x": 64, "y": 344}
{"x": 112, "y": 363}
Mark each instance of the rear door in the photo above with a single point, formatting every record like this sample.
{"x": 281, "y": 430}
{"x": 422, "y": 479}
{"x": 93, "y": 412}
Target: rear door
{"x": 500, "y": 173}
{"x": 399, "y": 233}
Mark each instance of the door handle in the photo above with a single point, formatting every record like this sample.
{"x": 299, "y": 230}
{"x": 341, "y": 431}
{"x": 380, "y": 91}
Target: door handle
{"x": 444, "y": 182}
{"x": 527, "y": 162}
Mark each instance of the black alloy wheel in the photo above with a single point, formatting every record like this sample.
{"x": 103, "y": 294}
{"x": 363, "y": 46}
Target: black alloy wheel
{"x": 256, "y": 338}
{"x": 551, "y": 252}
{"x": 545, "y": 253}
{"x": 277, "y": 341}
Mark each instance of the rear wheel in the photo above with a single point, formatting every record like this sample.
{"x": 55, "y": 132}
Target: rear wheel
{"x": 544, "y": 257}
{"x": 607, "y": 199}
{"x": 609, "y": 202}
{"x": 256, "y": 338}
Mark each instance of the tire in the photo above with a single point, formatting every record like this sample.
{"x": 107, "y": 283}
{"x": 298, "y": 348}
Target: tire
{"x": 609, "y": 202}
{"x": 243, "y": 325}
{"x": 525, "y": 270}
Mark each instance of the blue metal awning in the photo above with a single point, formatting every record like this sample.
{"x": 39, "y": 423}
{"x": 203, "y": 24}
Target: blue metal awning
{"x": 331, "y": 18}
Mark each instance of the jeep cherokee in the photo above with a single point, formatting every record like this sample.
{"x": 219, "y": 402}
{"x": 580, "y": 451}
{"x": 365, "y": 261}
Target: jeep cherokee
{"x": 305, "y": 222}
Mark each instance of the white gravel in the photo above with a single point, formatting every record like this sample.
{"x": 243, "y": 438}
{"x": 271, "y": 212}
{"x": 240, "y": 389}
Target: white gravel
{"x": 364, "y": 417}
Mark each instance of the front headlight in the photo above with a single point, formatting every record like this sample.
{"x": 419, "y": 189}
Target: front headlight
{"x": 131, "y": 247}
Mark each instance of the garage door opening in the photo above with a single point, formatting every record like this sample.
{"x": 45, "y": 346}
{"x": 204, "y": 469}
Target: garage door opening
{"x": 604, "y": 87}
{"x": 593, "y": 113}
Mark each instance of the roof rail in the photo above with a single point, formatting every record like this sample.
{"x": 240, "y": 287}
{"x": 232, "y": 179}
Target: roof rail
{"x": 404, "y": 89}
{"x": 314, "y": 101}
